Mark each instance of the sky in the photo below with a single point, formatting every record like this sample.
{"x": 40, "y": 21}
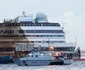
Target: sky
{"x": 69, "y": 13}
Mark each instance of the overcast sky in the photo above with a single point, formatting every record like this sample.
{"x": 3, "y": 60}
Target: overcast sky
{"x": 70, "y": 12}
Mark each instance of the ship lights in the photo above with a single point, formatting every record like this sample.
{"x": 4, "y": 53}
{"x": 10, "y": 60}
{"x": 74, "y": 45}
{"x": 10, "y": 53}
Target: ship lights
{"x": 30, "y": 54}
{"x": 41, "y": 54}
{"x": 51, "y": 48}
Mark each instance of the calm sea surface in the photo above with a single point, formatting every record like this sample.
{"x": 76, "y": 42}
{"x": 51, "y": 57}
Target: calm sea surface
{"x": 77, "y": 65}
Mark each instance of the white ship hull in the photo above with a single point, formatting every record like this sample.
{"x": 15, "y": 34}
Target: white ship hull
{"x": 42, "y": 62}
{"x": 37, "y": 63}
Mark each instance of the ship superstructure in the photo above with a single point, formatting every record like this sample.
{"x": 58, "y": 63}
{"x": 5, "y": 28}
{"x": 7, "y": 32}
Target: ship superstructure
{"x": 46, "y": 34}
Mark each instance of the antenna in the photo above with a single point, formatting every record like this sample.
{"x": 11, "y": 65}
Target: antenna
{"x": 63, "y": 25}
{"x": 76, "y": 40}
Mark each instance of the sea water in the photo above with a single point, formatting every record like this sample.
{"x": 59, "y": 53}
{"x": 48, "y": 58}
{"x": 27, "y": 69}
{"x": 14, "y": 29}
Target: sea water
{"x": 77, "y": 65}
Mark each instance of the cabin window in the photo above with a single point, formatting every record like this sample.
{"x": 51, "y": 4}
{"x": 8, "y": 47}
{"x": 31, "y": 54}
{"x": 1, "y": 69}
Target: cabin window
{"x": 31, "y": 55}
{"x": 36, "y": 55}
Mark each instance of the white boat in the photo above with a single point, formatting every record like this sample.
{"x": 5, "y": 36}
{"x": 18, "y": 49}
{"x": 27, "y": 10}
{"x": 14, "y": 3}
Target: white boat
{"x": 42, "y": 59}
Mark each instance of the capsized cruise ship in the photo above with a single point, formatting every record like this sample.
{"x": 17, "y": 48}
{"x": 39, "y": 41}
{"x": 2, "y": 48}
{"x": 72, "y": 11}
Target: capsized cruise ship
{"x": 25, "y": 33}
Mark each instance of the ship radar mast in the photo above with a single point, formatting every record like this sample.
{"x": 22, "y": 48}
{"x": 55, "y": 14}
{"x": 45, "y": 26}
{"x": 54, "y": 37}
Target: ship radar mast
{"x": 25, "y": 18}
{"x": 23, "y": 13}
